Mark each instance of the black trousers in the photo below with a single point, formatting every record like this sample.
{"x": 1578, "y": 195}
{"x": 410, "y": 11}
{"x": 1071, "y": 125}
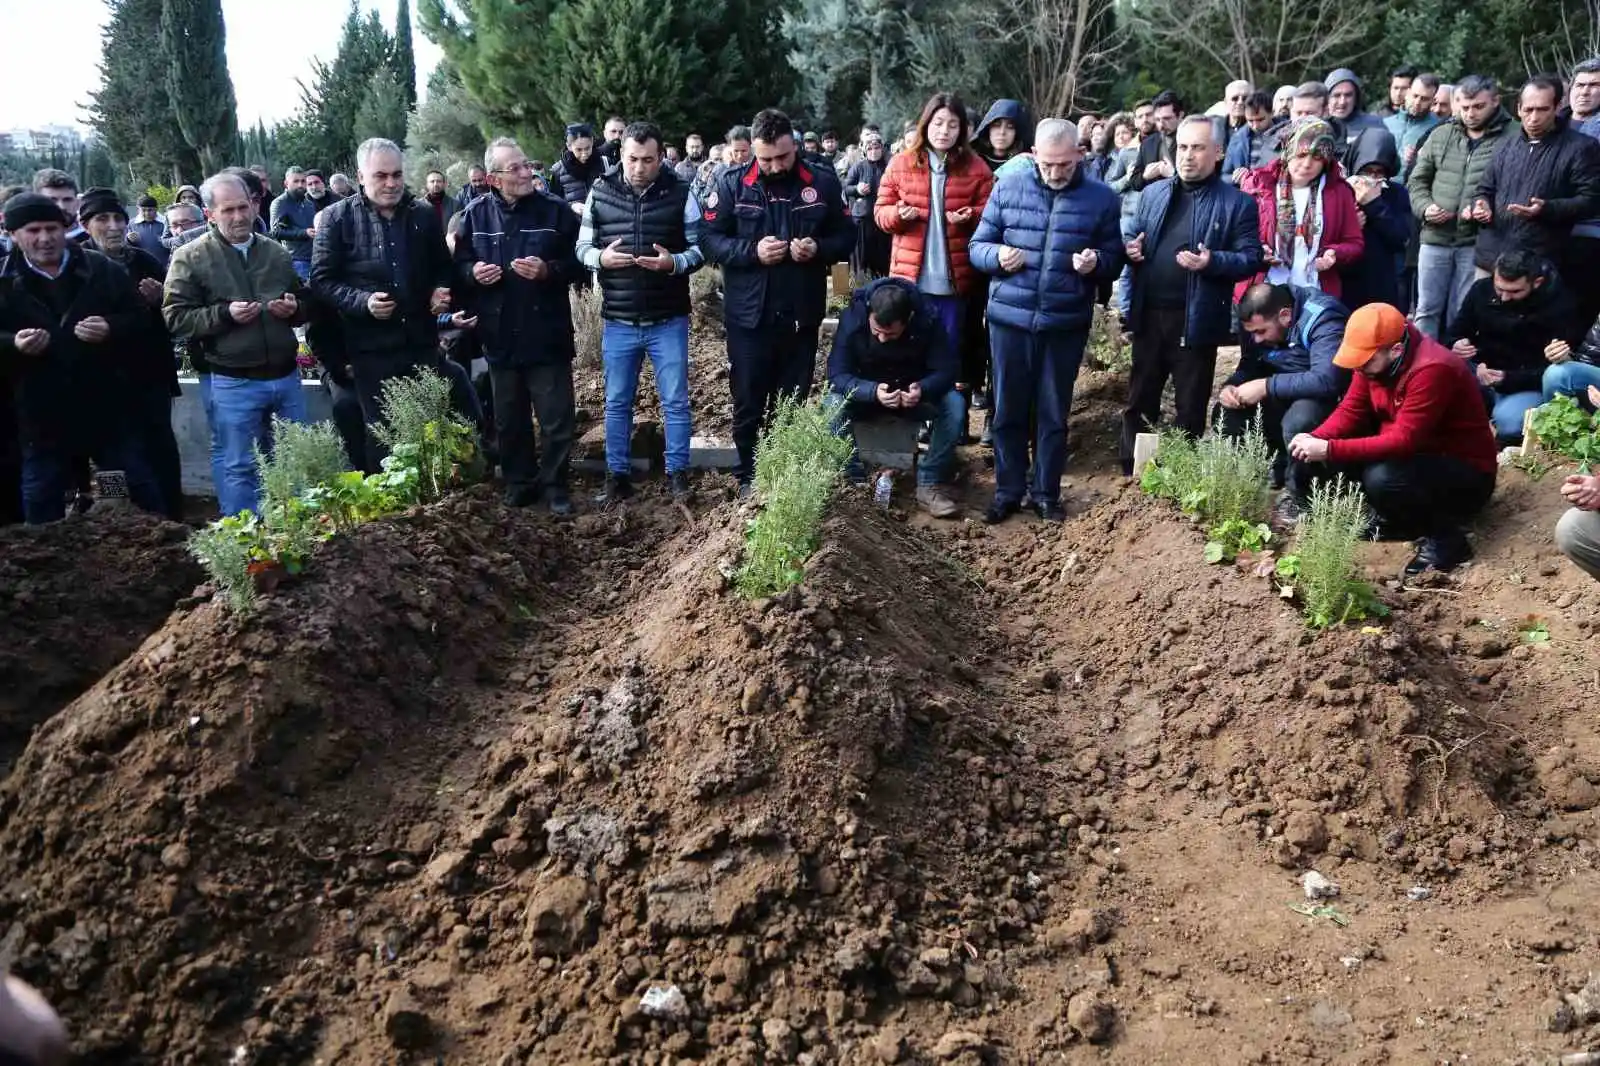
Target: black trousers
{"x": 520, "y": 393}
{"x": 763, "y": 364}
{"x": 341, "y": 389}
{"x": 1281, "y": 422}
{"x": 370, "y": 372}
{"x": 148, "y": 412}
{"x": 975, "y": 341}
{"x": 1158, "y": 354}
{"x": 1424, "y": 496}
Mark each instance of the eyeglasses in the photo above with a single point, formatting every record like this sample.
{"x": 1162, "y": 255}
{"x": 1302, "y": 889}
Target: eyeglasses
{"x": 523, "y": 167}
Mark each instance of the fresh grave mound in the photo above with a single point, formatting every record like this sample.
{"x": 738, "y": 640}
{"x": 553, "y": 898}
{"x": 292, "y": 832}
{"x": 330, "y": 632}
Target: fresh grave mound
{"x": 166, "y": 840}
{"x": 1198, "y": 684}
{"x": 76, "y": 597}
{"x": 789, "y": 819}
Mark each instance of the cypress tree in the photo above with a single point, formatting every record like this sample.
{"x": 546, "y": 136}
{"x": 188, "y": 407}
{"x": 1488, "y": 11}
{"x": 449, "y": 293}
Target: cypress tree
{"x": 194, "y": 42}
{"x": 405, "y": 58}
{"x": 131, "y": 111}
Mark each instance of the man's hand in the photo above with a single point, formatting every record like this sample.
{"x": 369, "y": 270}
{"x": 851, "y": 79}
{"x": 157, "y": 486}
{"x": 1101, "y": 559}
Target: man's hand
{"x": 863, "y": 188}
{"x": 957, "y": 218}
{"x": 92, "y": 330}
{"x": 1465, "y": 349}
{"x": 1269, "y": 255}
{"x": 1135, "y": 249}
{"x": 1558, "y": 351}
{"x": 1582, "y": 491}
{"x": 577, "y": 208}
{"x": 1326, "y": 261}
{"x": 1309, "y": 449}
{"x": 1197, "y": 260}
{"x": 150, "y": 289}
{"x": 1481, "y": 212}
{"x": 245, "y": 312}
{"x": 380, "y": 305}
{"x": 911, "y": 395}
{"x": 660, "y": 263}
{"x": 488, "y": 273}
{"x": 907, "y": 213}
{"x": 462, "y": 320}
{"x": 1594, "y": 395}
{"x": 533, "y": 268}
{"x": 1085, "y": 261}
{"x": 1229, "y": 397}
{"x": 439, "y": 302}
{"x": 1490, "y": 377}
{"x": 886, "y": 396}
{"x": 1251, "y": 393}
{"x": 1434, "y": 215}
{"x": 1011, "y": 259}
{"x": 311, "y": 231}
{"x": 1531, "y": 209}
{"x": 31, "y": 341}
{"x": 803, "y": 249}
{"x": 284, "y": 307}
{"x": 771, "y": 250}
{"x": 614, "y": 258}
{"x": 1158, "y": 170}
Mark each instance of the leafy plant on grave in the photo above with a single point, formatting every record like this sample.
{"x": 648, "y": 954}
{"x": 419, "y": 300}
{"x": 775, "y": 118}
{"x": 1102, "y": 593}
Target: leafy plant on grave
{"x": 799, "y": 462}
{"x": 421, "y": 429}
{"x": 1106, "y": 348}
{"x": 230, "y": 549}
{"x": 1228, "y": 540}
{"x": 1321, "y": 572}
{"x": 1564, "y": 427}
{"x": 1221, "y": 481}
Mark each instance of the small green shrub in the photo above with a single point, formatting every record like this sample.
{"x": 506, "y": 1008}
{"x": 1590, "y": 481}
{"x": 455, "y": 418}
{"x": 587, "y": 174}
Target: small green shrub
{"x": 421, "y": 429}
{"x": 1322, "y": 569}
{"x": 303, "y": 454}
{"x": 1216, "y": 479}
{"x": 1227, "y": 540}
{"x": 1106, "y": 348}
{"x": 1564, "y": 427}
{"x": 229, "y": 549}
{"x": 799, "y": 461}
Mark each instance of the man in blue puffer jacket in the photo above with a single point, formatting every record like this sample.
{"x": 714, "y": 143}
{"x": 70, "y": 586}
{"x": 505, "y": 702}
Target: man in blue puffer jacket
{"x": 1050, "y": 236}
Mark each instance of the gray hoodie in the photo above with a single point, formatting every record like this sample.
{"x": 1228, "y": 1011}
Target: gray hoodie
{"x": 1359, "y": 119}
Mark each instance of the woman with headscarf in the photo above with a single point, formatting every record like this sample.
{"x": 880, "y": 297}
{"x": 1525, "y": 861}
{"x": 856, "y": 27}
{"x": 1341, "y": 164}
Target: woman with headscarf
{"x": 1310, "y": 228}
{"x": 860, "y": 193}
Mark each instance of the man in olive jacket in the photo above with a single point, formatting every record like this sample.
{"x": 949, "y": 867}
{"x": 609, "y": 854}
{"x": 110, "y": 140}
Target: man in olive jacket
{"x": 237, "y": 294}
{"x": 1443, "y": 182}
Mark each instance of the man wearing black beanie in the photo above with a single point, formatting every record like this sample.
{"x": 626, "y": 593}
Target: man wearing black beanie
{"x": 64, "y": 312}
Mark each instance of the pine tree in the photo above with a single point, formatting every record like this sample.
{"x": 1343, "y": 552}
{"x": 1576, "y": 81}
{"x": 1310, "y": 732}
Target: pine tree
{"x": 132, "y": 111}
{"x": 383, "y": 113}
{"x": 194, "y": 42}
{"x": 405, "y": 58}
{"x": 323, "y": 134}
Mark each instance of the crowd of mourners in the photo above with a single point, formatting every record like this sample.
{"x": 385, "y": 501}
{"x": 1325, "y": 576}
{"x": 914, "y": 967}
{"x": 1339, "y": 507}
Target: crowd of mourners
{"x": 1406, "y": 282}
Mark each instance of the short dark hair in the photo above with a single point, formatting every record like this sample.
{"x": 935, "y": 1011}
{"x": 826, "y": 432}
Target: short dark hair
{"x": 692, "y": 133}
{"x": 643, "y": 133}
{"x": 432, "y": 172}
{"x": 253, "y": 186}
{"x": 770, "y": 125}
{"x": 51, "y": 178}
{"x": 737, "y": 133}
{"x": 618, "y": 118}
{"x": 1520, "y": 263}
{"x": 1405, "y": 70}
{"x": 148, "y": 201}
{"x": 314, "y": 173}
{"x": 1588, "y": 66}
{"x": 1477, "y": 85}
{"x": 477, "y": 168}
{"x": 1546, "y": 81}
{"x": 1265, "y": 301}
{"x": 576, "y": 131}
{"x": 1427, "y": 81}
{"x": 1260, "y": 100}
{"x": 891, "y": 305}
{"x": 1144, "y": 102}
{"x": 1167, "y": 98}
{"x": 1311, "y": 90}
{"x": 830, "y": 133}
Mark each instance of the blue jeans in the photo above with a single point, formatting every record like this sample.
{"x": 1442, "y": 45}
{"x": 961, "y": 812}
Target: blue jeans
{"x": 948, "y": 413}
{"x": 1033, "y": 372}
{"x": 1443, "y": 277}
{"x": 1570, "y": 379}
{"x": 216, "y": 431}
{"x": 302, "y": 270}
{"x": 242, "y": 410}
{"x": 49, "y": 472}
{"x": 623, "y": 348}
{"x": 952, "y": 313}
{"x": 1508, "y": 412}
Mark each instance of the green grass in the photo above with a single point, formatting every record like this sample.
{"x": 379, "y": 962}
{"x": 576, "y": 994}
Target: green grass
{"x": 799, "y": 463}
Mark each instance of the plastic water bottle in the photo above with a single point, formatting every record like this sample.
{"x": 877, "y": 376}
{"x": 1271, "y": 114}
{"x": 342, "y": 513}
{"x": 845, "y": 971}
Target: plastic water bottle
{"x": 882, "y": 489}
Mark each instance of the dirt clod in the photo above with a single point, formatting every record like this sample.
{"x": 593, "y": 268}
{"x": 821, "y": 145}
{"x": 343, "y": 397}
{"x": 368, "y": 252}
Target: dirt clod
{"x": 1091, "y": 1016}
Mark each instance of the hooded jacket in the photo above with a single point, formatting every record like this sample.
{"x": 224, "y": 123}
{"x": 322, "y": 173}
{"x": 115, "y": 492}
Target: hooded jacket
{"x": 1513, "y": 336}
{"x": 1448, "y": 169}
{"x": 859, "y": 363}
{"x": 1359, "y": 119}
{"x": 571, "y": 180}
{"x": 1562, "y": 169}
{"x": 1017, "y": 112}
{"x": 909, "y": 180}
{"x": 1386, "y": 229}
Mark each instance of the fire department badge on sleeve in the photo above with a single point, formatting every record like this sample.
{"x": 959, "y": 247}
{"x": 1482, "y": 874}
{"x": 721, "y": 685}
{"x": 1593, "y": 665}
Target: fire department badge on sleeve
{"x": 808, "y": 194}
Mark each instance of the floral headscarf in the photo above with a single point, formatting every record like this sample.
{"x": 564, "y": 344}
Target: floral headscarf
{"x": 1306, "y": 136}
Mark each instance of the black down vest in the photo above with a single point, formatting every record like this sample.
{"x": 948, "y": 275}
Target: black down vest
{"x": 634, "y": 294}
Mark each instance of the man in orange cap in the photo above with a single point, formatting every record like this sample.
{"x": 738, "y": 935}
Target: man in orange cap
{"x": 1412, "y": 432}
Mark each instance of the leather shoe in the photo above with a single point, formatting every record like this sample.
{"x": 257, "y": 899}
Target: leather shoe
{"x": 617, "y": 487}
{"x": 1051, "y": 511}
{"x": 522, "y": 496}
{"x": 1442, "y": 552}
{"x": 999, "y": 511}
{"x": 560, "y": 503}
{"x": 678, "y": 484}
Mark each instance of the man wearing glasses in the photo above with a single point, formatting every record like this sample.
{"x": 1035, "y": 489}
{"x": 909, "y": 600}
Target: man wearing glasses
{"x": 1412, "y": 432}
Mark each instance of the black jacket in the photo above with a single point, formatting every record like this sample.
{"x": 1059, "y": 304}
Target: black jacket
{"x": 1513, "y": 336}
{"x": 1562, "y": 169}
{"x": 1224, "y": 220}
{"x": 571, "y": 180}
{"x": 859, "y": 363}
{"x": 640, "y": 222}
{"x": 445, "y": 208}
{"x": 1153, "y": 149}
{"x": 150, "y": 362}
{"x": 68, "y": 394}
{"x": 1387, "y": 228}
{"x": 861, "y": 203}
{"x": 741, "y": 210}
{"x": 350, "y": 261}
{"x": 520, "y": 322}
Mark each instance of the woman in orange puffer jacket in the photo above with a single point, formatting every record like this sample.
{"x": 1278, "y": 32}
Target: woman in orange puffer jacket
{"x": 937, "y": 176}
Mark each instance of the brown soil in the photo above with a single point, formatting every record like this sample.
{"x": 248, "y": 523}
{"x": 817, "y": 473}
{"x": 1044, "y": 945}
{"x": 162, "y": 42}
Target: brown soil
{"x": 479, "y": 780}
{"x": 75, "y": 599}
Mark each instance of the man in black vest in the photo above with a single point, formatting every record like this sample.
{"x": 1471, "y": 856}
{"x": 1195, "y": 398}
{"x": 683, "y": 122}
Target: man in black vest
{"x": 641, "y": 233}
{"x": 776, "y": 224}
{"x": 516, "y": 251}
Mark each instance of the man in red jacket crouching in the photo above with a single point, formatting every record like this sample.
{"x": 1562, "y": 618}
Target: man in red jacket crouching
{"x": 1412, "y": 432}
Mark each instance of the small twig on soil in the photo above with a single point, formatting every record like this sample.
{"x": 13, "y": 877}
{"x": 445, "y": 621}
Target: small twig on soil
{"x": 307, "y": 852}
{"x": 1442, "y": 757}
{"x": 1440, "y": 592}
{"x": 491, "y": 890}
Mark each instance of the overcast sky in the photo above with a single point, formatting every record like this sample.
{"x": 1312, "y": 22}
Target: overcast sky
{"x": 52, "y": 55}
